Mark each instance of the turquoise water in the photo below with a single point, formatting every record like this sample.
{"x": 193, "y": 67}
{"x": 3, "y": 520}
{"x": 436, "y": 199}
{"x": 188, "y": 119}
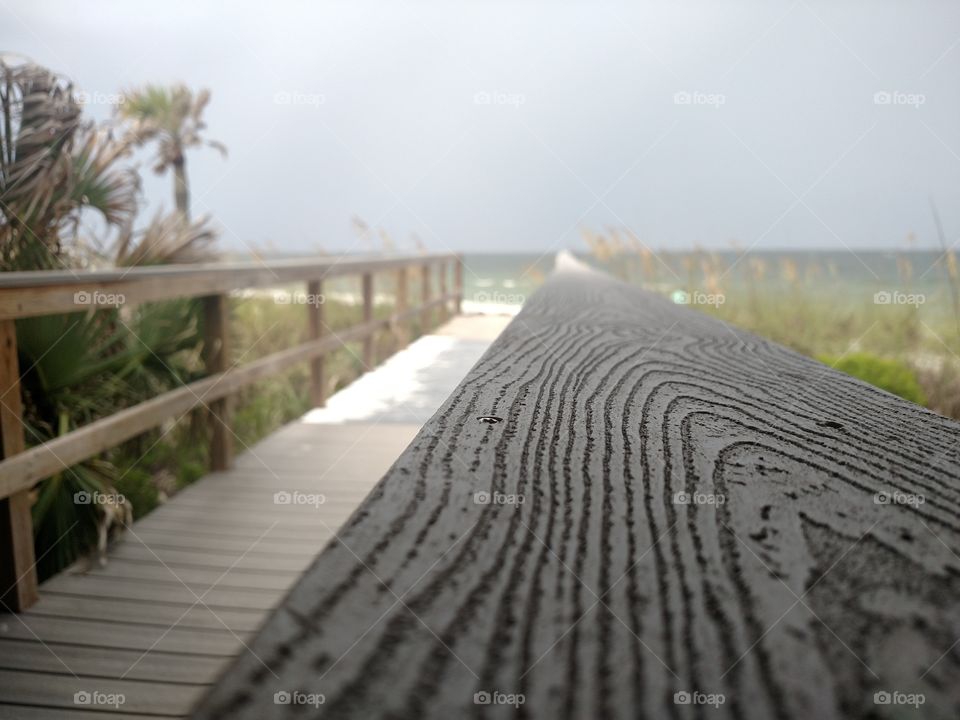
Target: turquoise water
{"x": 503, "y": 279}
{"x": 497, "y": 282}
{"x": 510, "y": 278}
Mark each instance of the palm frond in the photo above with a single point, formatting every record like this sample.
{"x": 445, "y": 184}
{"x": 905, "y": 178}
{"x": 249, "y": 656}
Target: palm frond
{"x": 167, "y": 239}
{"x": 98, "y": 182}
{"x": 40, "y": 117}
{"x": 170, "y": 115}
{"x": 53, "y": 166}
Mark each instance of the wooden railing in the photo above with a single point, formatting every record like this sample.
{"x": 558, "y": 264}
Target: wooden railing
{"x": 28, "y": 294}
{"x": 625, "y": 508}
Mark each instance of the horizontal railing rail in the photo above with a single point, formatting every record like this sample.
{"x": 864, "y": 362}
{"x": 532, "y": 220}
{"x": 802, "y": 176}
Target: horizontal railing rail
{"x": 28, "y": 294}
{"x": 31, "y": 294}
{"x": 628, "y": 506}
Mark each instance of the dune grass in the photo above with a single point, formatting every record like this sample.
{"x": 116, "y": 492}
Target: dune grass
{"x": 903, "y": 336}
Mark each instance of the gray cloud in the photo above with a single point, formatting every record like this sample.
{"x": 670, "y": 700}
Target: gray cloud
{"x": 504, "y": 128}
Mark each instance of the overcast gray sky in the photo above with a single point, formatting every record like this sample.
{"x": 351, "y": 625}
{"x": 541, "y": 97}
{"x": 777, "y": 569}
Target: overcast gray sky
{"x": 503, "y": 127}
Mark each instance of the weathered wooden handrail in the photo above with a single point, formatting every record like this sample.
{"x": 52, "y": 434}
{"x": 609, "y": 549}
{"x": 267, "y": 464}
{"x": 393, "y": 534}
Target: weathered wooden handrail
{"x": 627, "y": 507}
{"x": 40, "y": 293}
{"x": 26, "y": 294}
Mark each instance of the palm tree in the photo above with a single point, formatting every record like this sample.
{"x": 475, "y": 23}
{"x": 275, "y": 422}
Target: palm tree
{"x": 53, "y": 166}
{"x": 172, "y": 116}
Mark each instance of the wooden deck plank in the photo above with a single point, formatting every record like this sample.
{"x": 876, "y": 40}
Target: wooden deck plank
{"x": 122, "y": 568}
{"x": 225, "y": 528}
{"x": 62, "y": 691}
{"x": 213, "y": 543}
{"x": 25, "y": 712}
{"x": 219, "y": 597}
{"x": 233, "y": 531}
{"x": 96, "y": 662}
{"x": 225, "y": 559}
{"x": 150, "y": 613}
{"x": 268, "y": 511}
{"x": 112, "y": 634}
{"x": 254, "y": 525}
{"x": 263, "y": 500}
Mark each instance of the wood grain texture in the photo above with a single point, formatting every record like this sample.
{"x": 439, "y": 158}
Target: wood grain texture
{"x": 601, "y": 595}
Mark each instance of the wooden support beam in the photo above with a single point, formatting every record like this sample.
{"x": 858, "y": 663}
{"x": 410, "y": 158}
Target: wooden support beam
{"x": 426, "y": 314}
{"x": 18, "y": 574}
{"x": 316, "y": 324}
{"x": 401, "y": 329}
{"x": 216, "y": 348}
{"x": 369, "y": 360}
{"x": 442, "y": 270}
{"x": 458, "y": 283}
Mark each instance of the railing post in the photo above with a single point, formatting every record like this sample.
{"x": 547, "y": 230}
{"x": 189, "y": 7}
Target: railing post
{"x": 18, "y": 573}
{"x": 400, "y": 307}
{"x": 216, "y": 352}
{"x": 425, "y": 314}
{"x": 445, "y": 307}
{"x": 316, "y": 321}
{"x": 368, "y": 359}
{"x": 458, "y": 282}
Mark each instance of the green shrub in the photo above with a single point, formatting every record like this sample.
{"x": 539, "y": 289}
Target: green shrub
{"x": 893, "y": 376}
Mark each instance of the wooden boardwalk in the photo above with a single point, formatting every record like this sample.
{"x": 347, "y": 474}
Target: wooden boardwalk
{"x": 187, "y": 586}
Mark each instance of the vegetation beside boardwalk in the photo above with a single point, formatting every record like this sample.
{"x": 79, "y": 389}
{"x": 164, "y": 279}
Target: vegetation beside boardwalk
{"x": 262, "y": 326}
{"x": 59, "y": 171}
{"x": 62, "y": 173}
{"x": 906, "y": 343}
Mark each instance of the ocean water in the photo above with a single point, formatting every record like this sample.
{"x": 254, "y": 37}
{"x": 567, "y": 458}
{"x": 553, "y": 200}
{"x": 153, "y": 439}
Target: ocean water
{"x": 501, "y": 282}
